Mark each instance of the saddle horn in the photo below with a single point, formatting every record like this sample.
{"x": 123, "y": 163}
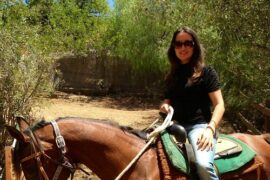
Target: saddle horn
{"x": 179, "y": 132}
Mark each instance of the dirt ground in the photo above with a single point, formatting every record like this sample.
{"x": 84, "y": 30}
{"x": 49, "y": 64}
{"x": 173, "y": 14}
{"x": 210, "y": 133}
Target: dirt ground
{"x": 130, "y": 111}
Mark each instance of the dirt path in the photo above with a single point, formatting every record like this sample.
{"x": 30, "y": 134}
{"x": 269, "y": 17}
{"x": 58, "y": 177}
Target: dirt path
{"x": 126, "y": 111}
{"x": 130, "y": 111}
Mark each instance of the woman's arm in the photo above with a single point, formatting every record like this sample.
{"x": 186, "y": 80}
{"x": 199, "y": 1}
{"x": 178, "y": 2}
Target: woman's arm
{"x": 205, "y": 140}
{"x": 219, "y": 108}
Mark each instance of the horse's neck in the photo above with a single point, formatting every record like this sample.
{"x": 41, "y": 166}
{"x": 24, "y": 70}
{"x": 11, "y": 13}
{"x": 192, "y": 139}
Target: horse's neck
{"x": 103, "y": 148}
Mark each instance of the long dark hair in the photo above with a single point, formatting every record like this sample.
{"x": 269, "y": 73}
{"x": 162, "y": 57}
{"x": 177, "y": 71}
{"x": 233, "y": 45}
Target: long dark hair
{"x": 197, "y": 60}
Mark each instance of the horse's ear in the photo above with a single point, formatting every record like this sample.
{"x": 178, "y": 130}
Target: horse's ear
{"x": 21, "y": 121}
{"x": 16, "y": 134}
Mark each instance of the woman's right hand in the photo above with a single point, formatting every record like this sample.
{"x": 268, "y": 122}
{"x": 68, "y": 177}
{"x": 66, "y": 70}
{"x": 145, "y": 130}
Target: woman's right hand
{"x": 164, "y": 108}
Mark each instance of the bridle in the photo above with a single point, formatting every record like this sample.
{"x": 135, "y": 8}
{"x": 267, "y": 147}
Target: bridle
{"x": 39, "y": 152}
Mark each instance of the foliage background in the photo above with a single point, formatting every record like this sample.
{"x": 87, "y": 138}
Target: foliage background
{"x": 235, "y": 35}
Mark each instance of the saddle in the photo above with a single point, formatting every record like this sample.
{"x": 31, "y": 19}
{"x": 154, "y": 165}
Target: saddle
{"x": 231, "y": 153}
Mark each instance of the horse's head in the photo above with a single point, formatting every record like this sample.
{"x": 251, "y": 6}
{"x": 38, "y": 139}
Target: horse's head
{"x": 37, "y": 159}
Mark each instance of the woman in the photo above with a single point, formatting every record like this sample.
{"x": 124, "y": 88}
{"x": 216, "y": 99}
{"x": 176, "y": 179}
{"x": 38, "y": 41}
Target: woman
{"x": 191, "y": 89}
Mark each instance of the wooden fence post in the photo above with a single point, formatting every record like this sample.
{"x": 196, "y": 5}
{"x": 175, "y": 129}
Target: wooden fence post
{"x": 253, "y": 129}
{"x": 266, "y": 113}
{"x": 8, "y": 162}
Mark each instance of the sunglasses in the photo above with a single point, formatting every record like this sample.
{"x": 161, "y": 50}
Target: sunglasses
{"x": 179, "y": 44}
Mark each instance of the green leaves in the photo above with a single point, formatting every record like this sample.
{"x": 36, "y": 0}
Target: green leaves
{"x": 60, "y": 26}
{"x": 234, "y": 34}
{"x": 243, "y": 57}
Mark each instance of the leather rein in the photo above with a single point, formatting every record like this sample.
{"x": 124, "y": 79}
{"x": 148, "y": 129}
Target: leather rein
{"x": 63, "y": 162}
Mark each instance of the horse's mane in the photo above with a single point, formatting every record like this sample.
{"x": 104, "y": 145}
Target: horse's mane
{"x": 106, "y": 121}
{"x": 85, "y": 120}
{"x": 136, "y": 132}
{"x": 43, "y": 122}
{"x": 139, "y": 133}
{"x": 39, "y": 125}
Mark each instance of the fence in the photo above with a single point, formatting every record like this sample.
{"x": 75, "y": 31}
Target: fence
{"x": 103, "y": 75}
{"x": 263, "y": 108}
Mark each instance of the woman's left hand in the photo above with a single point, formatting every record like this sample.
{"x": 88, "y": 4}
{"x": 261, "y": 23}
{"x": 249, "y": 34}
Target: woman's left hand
{"x": 205, "y": 140}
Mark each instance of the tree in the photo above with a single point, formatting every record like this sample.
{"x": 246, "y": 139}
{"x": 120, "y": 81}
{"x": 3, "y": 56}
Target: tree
{"x": 32, "y": 35}
{"x": 243, "y": 50}
{"x": 141, "y": 32}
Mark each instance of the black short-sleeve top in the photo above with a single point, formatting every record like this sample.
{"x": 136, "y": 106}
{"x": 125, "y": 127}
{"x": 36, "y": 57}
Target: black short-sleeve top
{"x": 191, "y": 101}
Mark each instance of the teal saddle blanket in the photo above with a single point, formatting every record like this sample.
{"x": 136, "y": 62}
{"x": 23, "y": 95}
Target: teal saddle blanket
{"x": 224, "y": 164}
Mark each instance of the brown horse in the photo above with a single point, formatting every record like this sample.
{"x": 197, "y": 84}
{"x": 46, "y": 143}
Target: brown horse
{"x": 106, "y": 149}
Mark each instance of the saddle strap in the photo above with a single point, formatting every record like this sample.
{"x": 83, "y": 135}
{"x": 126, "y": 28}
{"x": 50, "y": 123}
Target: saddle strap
{"x": 192, "y": 170}
{"x": 57, "y": 172}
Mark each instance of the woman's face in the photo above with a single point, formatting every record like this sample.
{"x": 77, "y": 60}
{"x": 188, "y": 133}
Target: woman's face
{"x": 183, "y": 47}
